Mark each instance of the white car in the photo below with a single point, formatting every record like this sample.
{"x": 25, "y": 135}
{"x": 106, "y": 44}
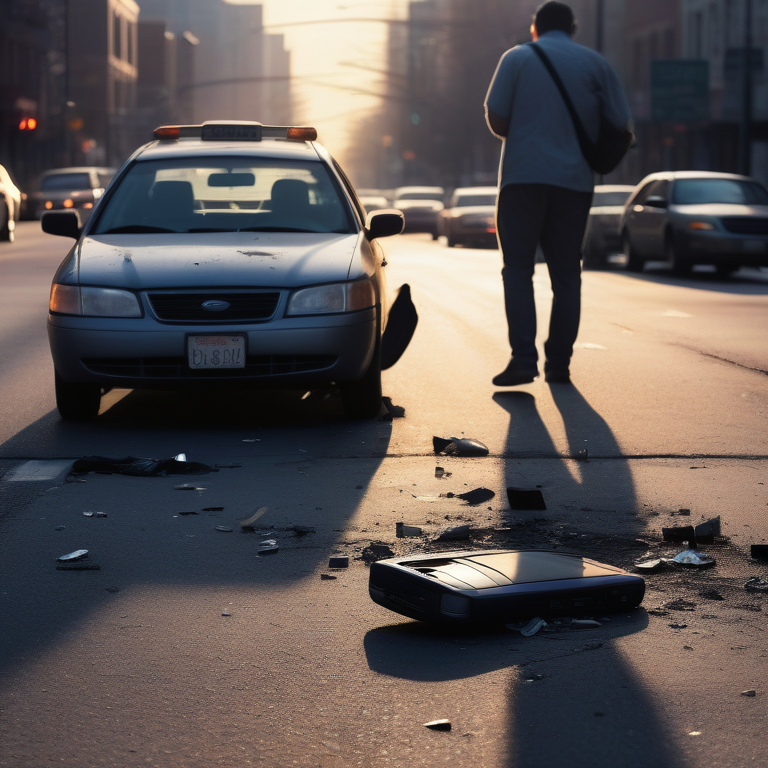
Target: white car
{"x": 227, "y": 254}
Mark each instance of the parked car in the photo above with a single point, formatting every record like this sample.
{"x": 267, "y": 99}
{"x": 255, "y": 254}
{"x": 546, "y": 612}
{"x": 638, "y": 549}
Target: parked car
{"x": 603, "y": 235}
{"x": 10, "y": 206}
{"x": 696, "y": 217}
{"x": 421, "y": 206}
{"x": 373, "y": 202}
{"x": 71, "y": 188}
{"x": 227, "y": 254}
{"x": 470, "y": 217}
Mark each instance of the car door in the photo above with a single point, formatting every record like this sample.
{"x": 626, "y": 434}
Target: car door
{"x": 645, "y": 223}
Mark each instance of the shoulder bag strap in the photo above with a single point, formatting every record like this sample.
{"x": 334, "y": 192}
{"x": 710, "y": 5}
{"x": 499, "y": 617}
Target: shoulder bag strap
{"x": 584, "y": 139}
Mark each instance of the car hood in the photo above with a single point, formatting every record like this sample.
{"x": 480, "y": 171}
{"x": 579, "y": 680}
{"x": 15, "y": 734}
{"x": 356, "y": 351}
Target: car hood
{"x": 722, "y": 209}
{"x": 280, "y": 259}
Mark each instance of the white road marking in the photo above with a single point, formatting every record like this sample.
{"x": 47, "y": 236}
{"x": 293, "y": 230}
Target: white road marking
{"x": 32, "y": 471}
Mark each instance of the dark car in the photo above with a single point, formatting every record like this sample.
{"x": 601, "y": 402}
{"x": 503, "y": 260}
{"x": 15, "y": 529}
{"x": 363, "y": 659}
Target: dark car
{"x": 470, "y": 217}
{"x": 603, "y": 236}
{"x": 71, "y": 189}
{"x": 421, "y": 206}
{"x": 696, "y": 217}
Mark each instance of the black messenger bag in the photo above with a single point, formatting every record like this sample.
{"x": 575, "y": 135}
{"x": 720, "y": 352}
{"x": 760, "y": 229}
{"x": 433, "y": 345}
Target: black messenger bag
{"x": 612, "y": 143}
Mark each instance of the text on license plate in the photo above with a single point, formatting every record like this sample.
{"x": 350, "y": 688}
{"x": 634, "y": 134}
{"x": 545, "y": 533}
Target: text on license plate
{"x": 216, "y": 351}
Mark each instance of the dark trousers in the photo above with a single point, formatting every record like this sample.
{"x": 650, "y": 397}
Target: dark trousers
{"x": 555, "y": 217}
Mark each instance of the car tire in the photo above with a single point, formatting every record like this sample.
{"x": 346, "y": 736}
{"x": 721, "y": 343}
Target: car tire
{"x": 679, "y": 261}
{"x": 635, "y": 262}
{"x": 6, "y": 225}
{"x": 362, "y": 399}
{"x": 77, "y": 402}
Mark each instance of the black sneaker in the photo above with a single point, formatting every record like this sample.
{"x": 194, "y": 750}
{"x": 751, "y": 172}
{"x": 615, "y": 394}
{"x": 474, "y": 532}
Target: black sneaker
{"x": 557, "y": 375}
{"x": 516, "y": 373}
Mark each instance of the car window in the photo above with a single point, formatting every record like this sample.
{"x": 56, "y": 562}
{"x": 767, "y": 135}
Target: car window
{"x": 601, "y": 199}
{"x": 65, "y": 181}
{"x": 464, "y": 201}
{"x": 703, "y": 191}
{"x": 215, "y": 194}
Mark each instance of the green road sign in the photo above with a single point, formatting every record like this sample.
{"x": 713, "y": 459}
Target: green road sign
{"x": 680, "y": 90}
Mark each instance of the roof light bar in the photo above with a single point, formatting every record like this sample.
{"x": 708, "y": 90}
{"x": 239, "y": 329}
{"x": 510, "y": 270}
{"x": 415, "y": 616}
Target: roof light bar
{"x": 235, "y": 130}
{"x": 176, "y": 132}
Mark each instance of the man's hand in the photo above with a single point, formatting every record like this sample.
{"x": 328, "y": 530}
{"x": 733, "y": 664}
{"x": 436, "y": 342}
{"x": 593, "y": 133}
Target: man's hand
{"x": 499, "y": 125}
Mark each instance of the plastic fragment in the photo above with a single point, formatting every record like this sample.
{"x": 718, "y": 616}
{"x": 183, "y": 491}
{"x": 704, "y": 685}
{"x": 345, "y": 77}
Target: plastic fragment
{"x": 89, "y": 514}
{"x": 225, "y": 613}
{"x": 224, "y": 528}
{"x": 78, "y": 554}
{"x": 339, "y": 562}
{"x": 402, "y": 530}
{"x": 455, "y": 533}
{"x": 188, "y": 487}
{"x": 756, "y": 584}
{"x": 374, "y": 552}
{"x": 459, "y": 446}
{"x": 476, "y": 496}
{"x": 529, "y": 629}
{"x": 438, "y": 725}
{"x": 526, "y": 499}
{"x": 652, "y": 566}
{"x": 268, "y": 547}
{"x": 693, "y": 558}
{"x": 60, "y": 527}
{"x": 180, "y": 457}
{"x": 705, "y": 532}
{"x": 680, "y": 533}
{"x": 249, "y": 521}
{"x": 440, "y": 472}
{"x": 750, "y": 693}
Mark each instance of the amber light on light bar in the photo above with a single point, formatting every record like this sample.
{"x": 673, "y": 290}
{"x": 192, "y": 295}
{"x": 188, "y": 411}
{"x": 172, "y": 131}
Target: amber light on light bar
{"x": 302, "y": 133}
{"x": 168, "y": 132}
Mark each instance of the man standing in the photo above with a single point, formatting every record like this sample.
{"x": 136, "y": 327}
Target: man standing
{"x": 545, "y": 183}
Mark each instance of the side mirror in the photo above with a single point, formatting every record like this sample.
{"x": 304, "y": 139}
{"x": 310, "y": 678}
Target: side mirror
{"x": 384, "y": 223}
{"x": 656, "y": 201}
{"x": 64, "y": 223}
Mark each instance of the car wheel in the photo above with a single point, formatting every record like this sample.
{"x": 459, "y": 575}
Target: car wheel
{"x": 635, "y": 263}
{"x": 362, "y": 399}
{"x": 7, "y": 226}
{"x": 679, "y": 262}
{"x": 77, "y": 402}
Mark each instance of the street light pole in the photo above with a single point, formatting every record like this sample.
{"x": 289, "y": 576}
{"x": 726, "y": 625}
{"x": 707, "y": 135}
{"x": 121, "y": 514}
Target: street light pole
{"x": 745, "y": 132}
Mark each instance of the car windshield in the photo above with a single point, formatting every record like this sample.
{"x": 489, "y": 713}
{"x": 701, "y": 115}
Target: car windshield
{"x": 703, "y": 191}
{"x": 602, "y": 199}
{"x": 231, "y": 194}
{"x": 420, "y": 196}
{"x": 66, "y": 181}
{"x": 463, "y": 201}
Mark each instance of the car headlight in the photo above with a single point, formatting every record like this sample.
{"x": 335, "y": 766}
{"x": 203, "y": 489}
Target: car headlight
{"x": 93, "y": 302}
{"x": 332, "y": 299}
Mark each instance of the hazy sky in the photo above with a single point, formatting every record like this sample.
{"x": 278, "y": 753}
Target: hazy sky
{"x": 327, "y": 90}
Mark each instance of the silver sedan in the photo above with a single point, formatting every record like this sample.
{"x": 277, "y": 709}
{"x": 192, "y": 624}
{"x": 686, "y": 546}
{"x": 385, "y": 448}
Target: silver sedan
{"x": 222, "y": 254}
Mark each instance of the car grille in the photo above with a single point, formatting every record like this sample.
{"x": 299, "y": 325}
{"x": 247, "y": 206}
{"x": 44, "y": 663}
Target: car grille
{"x": 185, "y": 307}
{"x": 177, "y": 367}
{"x": 746, "y": 226}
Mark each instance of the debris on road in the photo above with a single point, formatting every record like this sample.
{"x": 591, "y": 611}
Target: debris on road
{"x": 759, "y": 551}
{"x": 403, "y": 531}
{"x": 750, "y": 693}
{"x": 705, "y": 532}
{"x": 137, "y": 467}
{"x": 528, "y": 629}
{"x": 440, "y": 472}
{"x": 679, "y": 534}
{"x": 652, "y": 566}
{"x": 583, "y": 455}
{"x": 459, "y": 446}
{"x": 526, "y": 499}
{"x": 224, "y": 528}
{"x": 438, "y": 725}
{"x": 455, "y": 533}
{"x": 249, "y": 521}
{"x": 327, "y": 577}
{"x": 213, "y": 509}
{"x": 60, "y": 527}
{"x": 374, "y": 552}
{"x": 78, "y": 554}
{"x": 339, "y": 562}
{"x": 268, "y": 547}
{"x": 683, "y": 512}
{"x": 756, "y": 584}
{"x": 185, "y": 513}
{"x": 188, "y": 487}
{"x": 225, "y": 613}
{"x": 693, "y": 558}
{"x": 477, "y": 496}
{"x": 393, "y": 411}
{"x": 302, "y": 530}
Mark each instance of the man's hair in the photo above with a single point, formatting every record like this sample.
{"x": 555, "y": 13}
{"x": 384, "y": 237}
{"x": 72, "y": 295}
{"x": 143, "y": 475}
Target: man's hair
{"x": 551, "y": 16}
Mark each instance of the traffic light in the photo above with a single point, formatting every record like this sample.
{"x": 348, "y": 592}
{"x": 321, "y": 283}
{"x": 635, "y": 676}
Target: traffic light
{"x": 28, "y": 124}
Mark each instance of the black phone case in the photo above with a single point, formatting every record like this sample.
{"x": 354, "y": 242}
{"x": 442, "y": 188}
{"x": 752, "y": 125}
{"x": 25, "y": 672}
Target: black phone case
{"x": 501, "y": 585}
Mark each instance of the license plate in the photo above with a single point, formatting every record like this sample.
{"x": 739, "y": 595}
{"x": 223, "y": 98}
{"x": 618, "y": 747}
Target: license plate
{"x": 216, "y": 351}
{"x": 754, "y": 246}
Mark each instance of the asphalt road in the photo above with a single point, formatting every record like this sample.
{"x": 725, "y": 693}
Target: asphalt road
{"x": 186, "y": 648}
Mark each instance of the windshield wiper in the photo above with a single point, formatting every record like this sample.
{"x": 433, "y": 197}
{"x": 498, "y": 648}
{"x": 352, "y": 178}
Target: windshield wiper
{"x": 136, "y": 229}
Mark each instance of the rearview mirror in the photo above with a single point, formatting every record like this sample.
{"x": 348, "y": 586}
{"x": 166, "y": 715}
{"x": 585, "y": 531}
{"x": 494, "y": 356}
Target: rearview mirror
{"x": 231, "y": 180}
{"x": 64, "y": 223}
{"x": 656, "y": 201}
{"x": 384, "y": 223}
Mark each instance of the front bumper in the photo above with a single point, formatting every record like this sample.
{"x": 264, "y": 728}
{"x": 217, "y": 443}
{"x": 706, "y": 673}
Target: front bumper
{"x": 716, "y": 247}
{"x": 144, "y": 354}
